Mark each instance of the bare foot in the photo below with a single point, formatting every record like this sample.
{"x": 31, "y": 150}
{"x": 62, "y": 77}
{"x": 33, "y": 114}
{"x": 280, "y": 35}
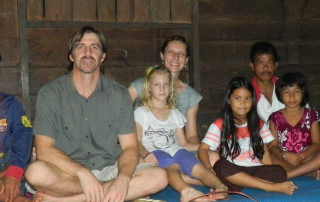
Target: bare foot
{"x": 190, "y": 193}
{"x": 219, "y": 187}
{"x": 21, "y": 199}
{"x": 39, "y": 197}
{"x": 284, "y": 187}
{"x": 315, "y": 175}
{"x": 42, "y": 197}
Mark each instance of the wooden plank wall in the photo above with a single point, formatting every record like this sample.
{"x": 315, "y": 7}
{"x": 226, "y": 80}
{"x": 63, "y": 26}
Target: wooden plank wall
{"x": 111, "y": 10}
{"x": 106, "y": 10}
{"x": 141, "y": 11}
{"x": 52, "y": 22}
{"x": 9, "y": 49}
{"x": 181, "y": 11}
{"x": 47, "y": 50}
{"x": 57, "y": 10}
{"x": 34, "y": 10}
{"x": 85, "y": 12}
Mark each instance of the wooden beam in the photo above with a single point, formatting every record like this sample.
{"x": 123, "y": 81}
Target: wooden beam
{"x": 195, "y": 46}
{"x": 23, "y": 50}
{"x": 120, "y": 25}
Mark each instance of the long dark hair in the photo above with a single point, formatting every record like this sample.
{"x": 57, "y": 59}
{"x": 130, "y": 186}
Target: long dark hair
{"x": 229, "y": 140}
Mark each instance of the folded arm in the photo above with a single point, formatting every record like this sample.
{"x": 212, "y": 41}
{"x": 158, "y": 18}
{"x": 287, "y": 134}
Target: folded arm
{"x": 191, "y": 125}
{"x": 183, "y": 141}
{"x": 315, "y": 146}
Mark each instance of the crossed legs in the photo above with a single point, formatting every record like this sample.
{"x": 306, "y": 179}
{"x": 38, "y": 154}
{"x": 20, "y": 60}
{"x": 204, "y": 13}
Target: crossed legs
{"x": 310, "y": 166}
{"x": 53, "y": 184}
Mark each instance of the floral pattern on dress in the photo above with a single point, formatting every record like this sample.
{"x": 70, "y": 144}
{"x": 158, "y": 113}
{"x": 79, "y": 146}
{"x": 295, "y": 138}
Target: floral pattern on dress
{"x": 294, "y": 138}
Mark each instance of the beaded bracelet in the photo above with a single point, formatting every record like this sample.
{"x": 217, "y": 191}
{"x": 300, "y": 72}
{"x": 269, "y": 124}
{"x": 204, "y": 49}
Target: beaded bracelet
{"x": 284, "y": 156}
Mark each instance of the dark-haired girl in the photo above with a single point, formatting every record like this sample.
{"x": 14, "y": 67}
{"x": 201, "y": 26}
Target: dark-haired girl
{"x": 241, "y": 138}
{"x": 295, "y": 128}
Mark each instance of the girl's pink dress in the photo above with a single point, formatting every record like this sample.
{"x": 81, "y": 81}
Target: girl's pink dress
{"x": 296, "y": 138}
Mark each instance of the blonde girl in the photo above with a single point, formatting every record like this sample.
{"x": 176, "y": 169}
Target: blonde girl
{"x": 162, "y": 140}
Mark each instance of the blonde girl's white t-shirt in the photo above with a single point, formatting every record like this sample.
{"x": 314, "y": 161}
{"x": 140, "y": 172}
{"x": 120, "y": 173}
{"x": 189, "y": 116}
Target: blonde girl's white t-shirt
{"x": 213, "y": 138}
{"x": 160, "y": 135}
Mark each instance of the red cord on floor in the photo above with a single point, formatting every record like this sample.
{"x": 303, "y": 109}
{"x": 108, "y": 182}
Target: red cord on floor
{"x": 229, "y": 192}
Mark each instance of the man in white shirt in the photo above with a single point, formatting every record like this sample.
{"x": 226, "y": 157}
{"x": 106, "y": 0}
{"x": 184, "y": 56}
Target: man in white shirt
{"x": 263, "y": 56}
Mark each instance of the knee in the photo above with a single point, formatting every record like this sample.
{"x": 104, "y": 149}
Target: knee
{"x": 162, "y": 178}
{"x": 279, "y": 174}
{"x": 159, "y": 178}
{"x": 199, "y": 171}
{"x": 35, "y": 172}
